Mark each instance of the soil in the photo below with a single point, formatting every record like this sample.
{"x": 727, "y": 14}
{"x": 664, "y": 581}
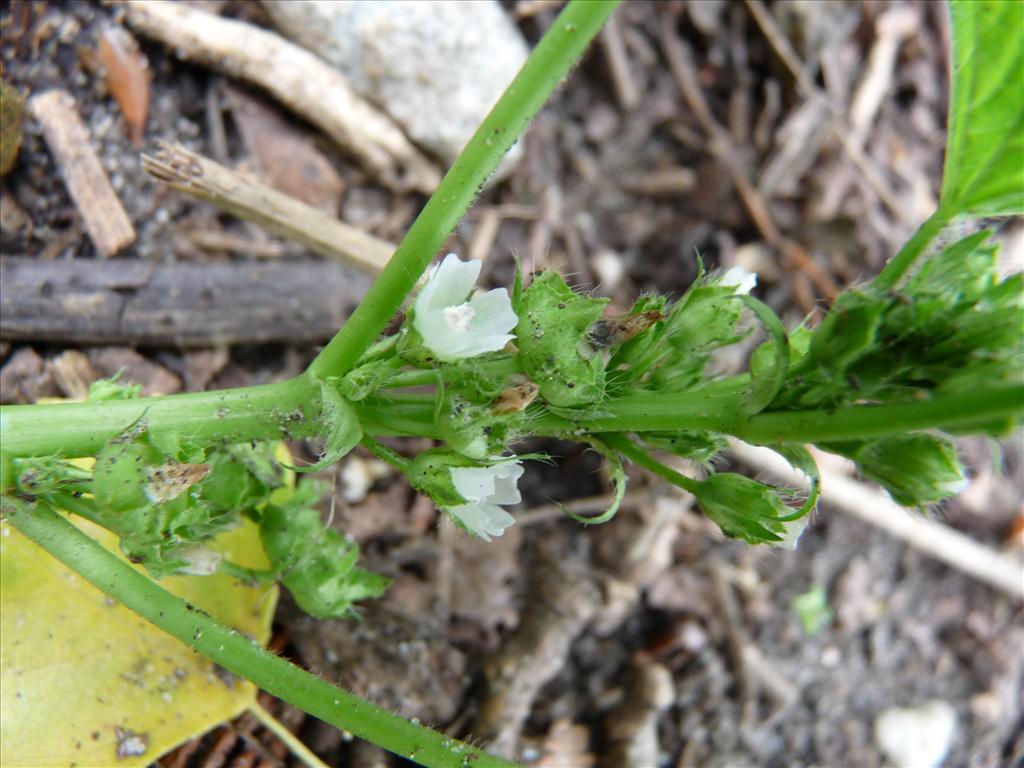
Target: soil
{"x": 653, "y": 632}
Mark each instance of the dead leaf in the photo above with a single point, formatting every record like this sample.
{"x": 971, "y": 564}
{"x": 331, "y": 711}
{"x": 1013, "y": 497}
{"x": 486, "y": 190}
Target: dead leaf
{"x": 287, "y": 159}
{"x": 87, "y": 682}
{"x": 127, "y": 78}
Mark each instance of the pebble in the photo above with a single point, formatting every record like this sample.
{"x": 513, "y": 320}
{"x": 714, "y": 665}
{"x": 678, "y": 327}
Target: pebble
{"x": 916, "y": 737}
{"x": 436, "y": 68}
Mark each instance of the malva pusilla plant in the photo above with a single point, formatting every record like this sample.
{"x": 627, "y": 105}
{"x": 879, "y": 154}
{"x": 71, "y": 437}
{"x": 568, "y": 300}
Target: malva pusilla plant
{"x": 932, "y": 348}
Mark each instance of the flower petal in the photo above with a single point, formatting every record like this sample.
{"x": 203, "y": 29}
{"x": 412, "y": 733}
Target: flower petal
{"x": 496, "y": 519}
{"x": 740, "y": 279}
{"x": 453, "y": 279}
{"x": 506, "y": 488}
{"x": 494, "y": 315}
{"x": 474, "y": 483}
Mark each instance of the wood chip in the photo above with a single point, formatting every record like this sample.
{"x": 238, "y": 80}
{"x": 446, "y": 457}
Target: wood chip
{"x": 105, "y": 219}
{"x": 127, "y": 78}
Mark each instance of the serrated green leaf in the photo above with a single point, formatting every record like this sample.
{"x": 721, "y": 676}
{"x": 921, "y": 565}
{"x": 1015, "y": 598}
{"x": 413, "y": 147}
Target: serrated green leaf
{"x": 984, "y": 173}
{"x": 316, "y": 563}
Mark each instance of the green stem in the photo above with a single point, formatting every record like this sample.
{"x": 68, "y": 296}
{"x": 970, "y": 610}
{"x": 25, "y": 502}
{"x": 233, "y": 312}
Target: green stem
{"x": 866, "y": 421}
{"x": 268, "y": 412}
{"x": 384, "y": 453}
{"x": 673, "y": 412}
{"x": 633, "y": 452}
{"x": 900, "y": 263}
{"x": 548, "y": 64}
{"x": 237, "y": 653}
{"x": 491, "y": 369}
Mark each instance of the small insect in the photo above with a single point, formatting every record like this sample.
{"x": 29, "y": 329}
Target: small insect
{"x": 515, "y": 397}
{"x": 169, "y": 481}
{"x": 620, "y": 329}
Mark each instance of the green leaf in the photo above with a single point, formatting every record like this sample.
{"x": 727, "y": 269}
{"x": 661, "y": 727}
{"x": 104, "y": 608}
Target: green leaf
{"x": 984, "y": 173}
{"x": 316, "y": 563}
{"x": 78, "y": 671}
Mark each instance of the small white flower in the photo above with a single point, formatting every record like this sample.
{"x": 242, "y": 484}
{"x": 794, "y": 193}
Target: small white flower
{"x": 455, "y": 325}
{"x": 738, "y": 278}
{"x": 484, "y": 488}
{"x": 793, "y": 530}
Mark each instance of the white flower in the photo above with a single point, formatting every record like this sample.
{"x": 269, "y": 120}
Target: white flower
{"x": 738, "y": 278}
{"x": 793, "y": 530}
{"x": 454, "y": 328}
{"x": 484, "y": 488}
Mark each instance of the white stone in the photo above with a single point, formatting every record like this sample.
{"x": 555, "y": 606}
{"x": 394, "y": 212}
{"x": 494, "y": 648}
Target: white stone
{"x": 916, "y": 737}
{"x": 436, "y": 67}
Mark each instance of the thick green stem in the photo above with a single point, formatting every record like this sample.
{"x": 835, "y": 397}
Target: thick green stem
{"x": 547, "y": 65}
{"x": 271, "y": 411}
{"x": 900, "y": 263}
{"x": 668, "y": 413}
{"x": 866, "y": 421}
{"x": 237, "y": 653}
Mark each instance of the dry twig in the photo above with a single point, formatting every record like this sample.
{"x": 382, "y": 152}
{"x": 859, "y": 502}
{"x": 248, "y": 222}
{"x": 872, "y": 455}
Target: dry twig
{"x": 105, "y": 219}
{"x": 297, "y": 78}
{"x": 185, "y": 171}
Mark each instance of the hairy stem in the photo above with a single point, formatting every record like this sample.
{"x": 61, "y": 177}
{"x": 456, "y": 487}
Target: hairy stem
{"x": 672, "y": 412}
{"x": 547, "y": 65}
{"x": 235, "y": 652}
{"x": 267, "y": 412}
{"x": 901, "y": 263}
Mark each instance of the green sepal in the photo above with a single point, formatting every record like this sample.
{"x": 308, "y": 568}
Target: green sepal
{"x": 616, "y": 473}
{"x": 552, "y": 339}
{"x": 430, "y": 474}
{"x": 316, "y": 563}
{"x": 697, "y": 446}
{"x": 916, "y": 469}
{"x": 241, "y": 477}
{"x": 361, "y": 382}
{"x": 848, "y": 331}
{"x": 342, "y": 430}
{"x": 104, "y": 390}
{"x": 120, "y": 475}
{"x": 768, "y": 370}
{"x": 801, "y": 459}
{"x": 746, "y": 509}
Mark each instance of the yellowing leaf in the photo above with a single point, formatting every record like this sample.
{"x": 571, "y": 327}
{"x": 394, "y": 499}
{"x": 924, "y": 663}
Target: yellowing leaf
{"x": 85, "y": 681}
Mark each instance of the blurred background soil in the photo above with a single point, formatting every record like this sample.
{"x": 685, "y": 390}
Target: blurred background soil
{"x": 799, "y": 140}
